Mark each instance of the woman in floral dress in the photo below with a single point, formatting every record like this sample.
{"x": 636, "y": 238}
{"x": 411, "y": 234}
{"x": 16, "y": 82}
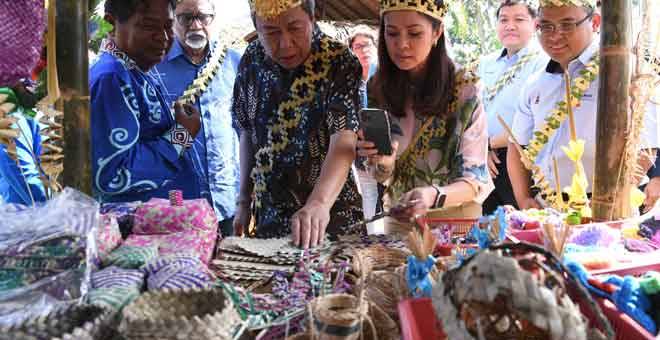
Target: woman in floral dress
{"x": 438, "y": 128}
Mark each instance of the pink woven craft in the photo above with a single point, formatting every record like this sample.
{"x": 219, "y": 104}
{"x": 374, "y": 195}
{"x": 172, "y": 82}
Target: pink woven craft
{"x": 22, "y": 24}
{"x": 158, "y": 216}
{"x": 108, "y": 236}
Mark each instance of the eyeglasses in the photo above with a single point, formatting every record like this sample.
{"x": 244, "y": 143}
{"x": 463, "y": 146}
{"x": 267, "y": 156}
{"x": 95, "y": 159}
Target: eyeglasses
{"x": 564, "y": 27}
{"x": 359, "y": 47}
{"x": 187, "y": 19}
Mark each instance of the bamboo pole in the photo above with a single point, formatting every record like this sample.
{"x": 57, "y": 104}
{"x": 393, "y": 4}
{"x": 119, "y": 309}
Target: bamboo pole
{"x": 72, "y": 62}
{"x": 612, "y": 119}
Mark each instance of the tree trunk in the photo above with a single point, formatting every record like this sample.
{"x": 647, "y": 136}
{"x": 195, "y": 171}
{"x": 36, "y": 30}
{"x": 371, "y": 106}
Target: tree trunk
{"x": 611, "y": 192}
{"x": 72, "y": 63}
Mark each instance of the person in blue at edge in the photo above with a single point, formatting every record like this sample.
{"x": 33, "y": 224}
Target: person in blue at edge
{"x": 19, "y": 181}
{"x": 140, "y": 147}
{"x": 214, "y": 153}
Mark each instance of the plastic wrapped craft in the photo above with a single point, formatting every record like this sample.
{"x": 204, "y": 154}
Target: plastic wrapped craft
{"x": 48, "y": 252}
{"x": 82, "y": 322}
{"x": 185, "y": 314}
{"x": 515, "y": 291}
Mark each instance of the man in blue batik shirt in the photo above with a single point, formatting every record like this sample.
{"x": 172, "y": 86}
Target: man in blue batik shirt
{"x": 140, "y": 147}
{"x": 214, "y": 153}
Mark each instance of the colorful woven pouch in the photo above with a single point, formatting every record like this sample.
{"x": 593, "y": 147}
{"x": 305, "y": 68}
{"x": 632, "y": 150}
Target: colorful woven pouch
{"x": 112, "y": 298}
{"x": 115, "y": 277}
{"x": 200, "y": 244}
{"x": 129, "y": 257}
{"x": 158, "y": 216}
{"x": 108, "y": 236}
{"x": 22, "y": 25}
{"x": 176, "y": 278}
{"x": 184, "y": 260}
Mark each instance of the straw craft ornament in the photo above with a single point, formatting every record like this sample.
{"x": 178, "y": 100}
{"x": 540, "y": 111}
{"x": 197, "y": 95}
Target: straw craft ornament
{"x": 78, "y": 322}
{"x": 645, "y": 81}
{"x": 515, "y": 291}
{"x": 421, "y": 266}
{"x": 184, "y": 314}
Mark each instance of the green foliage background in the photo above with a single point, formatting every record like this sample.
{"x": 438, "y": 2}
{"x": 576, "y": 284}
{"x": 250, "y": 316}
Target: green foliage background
{"x": 471, "y": 29}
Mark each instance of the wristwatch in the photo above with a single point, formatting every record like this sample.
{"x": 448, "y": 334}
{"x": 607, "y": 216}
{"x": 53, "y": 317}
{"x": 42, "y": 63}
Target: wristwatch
{"x": 440, "y": 196}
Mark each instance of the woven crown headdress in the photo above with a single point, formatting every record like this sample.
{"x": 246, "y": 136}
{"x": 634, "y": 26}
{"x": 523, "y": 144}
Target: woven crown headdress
{"x": 562, "y": 3}
{"x": 434, "y": 8}
{"x": 269, "y": 9}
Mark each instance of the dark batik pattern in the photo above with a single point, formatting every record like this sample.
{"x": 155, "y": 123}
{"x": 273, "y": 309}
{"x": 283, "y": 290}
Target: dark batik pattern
{"x": 260, "y": 87}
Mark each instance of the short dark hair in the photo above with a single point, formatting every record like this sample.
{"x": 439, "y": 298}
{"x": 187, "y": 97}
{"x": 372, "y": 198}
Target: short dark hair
{"x": 533, "y": 12}
{"x": 122, "y": 10}
{"x": 390, "y": 85}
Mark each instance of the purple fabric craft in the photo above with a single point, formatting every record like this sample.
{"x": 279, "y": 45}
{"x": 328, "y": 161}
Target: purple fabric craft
{"x": 115, "y": 277}
{"x": 598, "y": 235}
{"x": 176, "y": 277}
{"x": 22, "y": 24}
{"x": 639, "y": 246}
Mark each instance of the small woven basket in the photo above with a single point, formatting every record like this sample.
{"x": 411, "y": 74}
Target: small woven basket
{"x": 78, "y": 322}
{"x": 182, "y": 314}
{"x": 376, "y": 324}
{"x": 338, "y": 316}
{"x": 386, "y": 289}
{"x": 377, "y": 258}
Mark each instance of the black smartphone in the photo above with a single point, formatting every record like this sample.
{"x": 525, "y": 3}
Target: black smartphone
{"x": 376, "y": 127}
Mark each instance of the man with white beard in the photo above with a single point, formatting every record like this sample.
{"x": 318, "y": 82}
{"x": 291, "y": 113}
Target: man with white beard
{"x": 215, "y": 149}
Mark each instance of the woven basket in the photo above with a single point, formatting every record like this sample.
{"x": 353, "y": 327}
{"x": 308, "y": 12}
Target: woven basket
{"x": 471, "y": 300}
{"x": 338, "y": 316}
{"x": 377, "y": 325}
{"x": 377, "y": 257}
{"x": 386, "y": 289}
{"x": 182, "y": 314}
{"x": 80, "y": 322}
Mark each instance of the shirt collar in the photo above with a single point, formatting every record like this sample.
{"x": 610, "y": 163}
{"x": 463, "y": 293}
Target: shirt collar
{"x": 109, "y": 46}
{"x": 583, "y": 58}
{"x": 177, "y": 51}
{"x": 523, "y": 52}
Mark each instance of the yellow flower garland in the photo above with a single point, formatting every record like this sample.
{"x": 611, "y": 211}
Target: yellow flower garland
{"x": 303, "y": 91}
{"x": 559, "y": 114}
{"x": 508, "y": 76}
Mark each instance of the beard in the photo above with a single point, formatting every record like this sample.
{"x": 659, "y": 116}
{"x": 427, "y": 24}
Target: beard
{"x": 196, "y": 40}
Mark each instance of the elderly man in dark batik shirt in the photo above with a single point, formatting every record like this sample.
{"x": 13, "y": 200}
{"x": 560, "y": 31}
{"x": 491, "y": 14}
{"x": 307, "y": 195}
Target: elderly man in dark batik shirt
{"x": 296, "y": 102}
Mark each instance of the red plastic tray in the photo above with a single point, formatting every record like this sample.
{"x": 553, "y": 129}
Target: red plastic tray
{"x": 418, "y": 320}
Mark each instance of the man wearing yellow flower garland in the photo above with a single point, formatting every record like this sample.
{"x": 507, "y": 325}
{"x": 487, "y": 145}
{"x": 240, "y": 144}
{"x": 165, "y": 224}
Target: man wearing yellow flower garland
{"x": 296, "y": 102}
{"x": 568, "y": 33}
{"x": 503, "y": 75}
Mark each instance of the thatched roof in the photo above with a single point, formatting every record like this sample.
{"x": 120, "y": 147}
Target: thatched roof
{"x": 348, "y": 10}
